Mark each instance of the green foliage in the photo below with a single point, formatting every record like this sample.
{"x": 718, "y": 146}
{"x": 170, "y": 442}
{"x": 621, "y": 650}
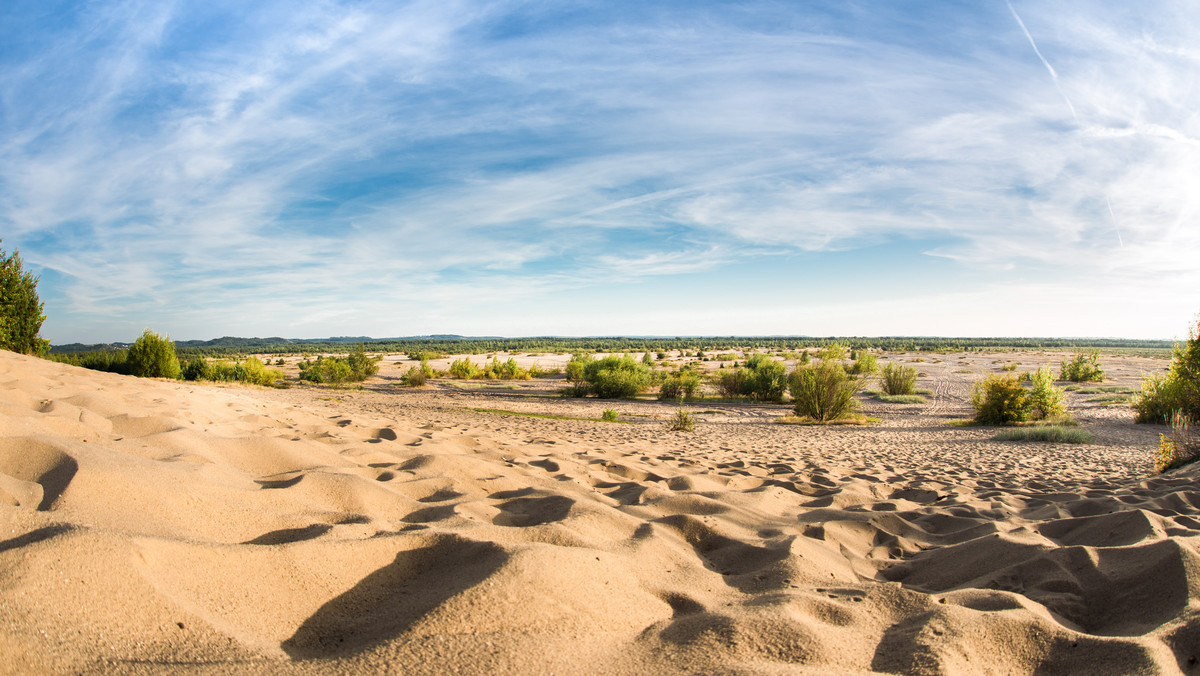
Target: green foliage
{"x": 197, "y": 368}
{"x": 999, "y": 400}
{"x": 609, "y": 415}
{"x": 464, "y": 368}
{"x": 682, "y": 421}
{"x": 1045, "y": 401}
{"x": 415, "y": 377}
{"x": 686, "y": 385}
{"x": 113, "y": 361}
{"x": 896, "y": 379}
{"x": 576, "y": 368}
{"x": 250, "y": 370}
{"x": 731, "y": 383}
{"x": 765, "y": 378}
{"x": 354, "y": 367}
{"x": 865, "y": 363}
{"x": 647, "y": 359}
{"x": 1053, "y": 433}
{"x": 824, "y": 391}
{"x": 361, "y": 366}
{"x": 1163, "y": 397}
{"x": 153, "y": 356}
{"x": 616, "y": 377}
{"x": 20, "y": 310}
{"x": 1082, "y": 368}
{"x": 833, "y": 352}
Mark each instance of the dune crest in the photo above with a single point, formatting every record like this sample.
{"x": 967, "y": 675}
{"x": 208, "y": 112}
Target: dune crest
{"x": 160, "y": 525}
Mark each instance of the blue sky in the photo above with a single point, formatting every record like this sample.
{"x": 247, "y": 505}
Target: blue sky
{"x": 579, "y": 168}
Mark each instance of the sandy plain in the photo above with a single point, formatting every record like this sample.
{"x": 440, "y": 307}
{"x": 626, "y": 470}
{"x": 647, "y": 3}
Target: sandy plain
{"x": 152, "y": 526}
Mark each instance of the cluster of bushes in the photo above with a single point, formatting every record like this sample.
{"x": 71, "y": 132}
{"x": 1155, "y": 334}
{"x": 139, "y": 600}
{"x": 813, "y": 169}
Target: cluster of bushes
{"x": 153, "y": 356}
{"x": 1004, "y": 400}
{"x": 1084, "y": 367}
{"x": 466, "y": 369}
{"x": 354, "y": 367}
{"x": 684, "y": 385}
{"x": 761, "y": 379}
{"x": 612, "y": 377}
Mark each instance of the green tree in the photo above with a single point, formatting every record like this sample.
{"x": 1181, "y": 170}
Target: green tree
{"x": 153, "y": 356}
{"x": 20, "y": 310}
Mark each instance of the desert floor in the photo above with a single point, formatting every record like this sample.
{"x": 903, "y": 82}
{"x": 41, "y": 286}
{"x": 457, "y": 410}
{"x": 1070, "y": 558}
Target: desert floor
{"x": 154, "y": 526}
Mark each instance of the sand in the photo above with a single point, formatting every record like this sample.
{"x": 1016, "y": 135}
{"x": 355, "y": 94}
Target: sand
{"x": 152, "y": 526}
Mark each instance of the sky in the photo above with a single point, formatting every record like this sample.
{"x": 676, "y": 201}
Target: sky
{"x": 851, "y": 168}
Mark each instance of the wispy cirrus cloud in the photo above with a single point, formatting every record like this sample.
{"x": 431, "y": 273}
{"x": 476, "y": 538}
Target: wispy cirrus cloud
{"x": 346, "y": 167}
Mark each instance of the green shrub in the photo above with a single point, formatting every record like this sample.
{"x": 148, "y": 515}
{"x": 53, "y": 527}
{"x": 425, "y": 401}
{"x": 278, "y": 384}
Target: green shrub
{"x": 1045, "y": 401}
{"x": 617, "y": 377}
{"x": 765, "y": 378}
{"x": 576, "y": 368}
{"x": 682, "y": 421}
{"x": 1160, "y": 397}
{"x": 1082, "y": 368}
{"x": 153, "y": 356}
{"x": 824, "y": 392}
{"x": 609, "y": 415}
{"x": 255, "y": 372}
{"x": 865, "y": 364}
{"x": 999, "y": 400}
{"x": 20, "y": 309}
{"x": 897, "y": 379}
{"x": 415, "y": 377}
{"x": 464, "y": 368}
{"x": 731, "y": 383}
{"x": 361, "y": 366}
{"x": 1178, "y": 392}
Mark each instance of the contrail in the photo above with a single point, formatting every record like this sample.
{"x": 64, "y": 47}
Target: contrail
{"x": 1053, "y": 75}
{"x": 1114, "y": 220}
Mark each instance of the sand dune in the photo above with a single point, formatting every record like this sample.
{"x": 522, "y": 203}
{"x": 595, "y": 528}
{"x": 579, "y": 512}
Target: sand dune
{"x": 160, "y": 526}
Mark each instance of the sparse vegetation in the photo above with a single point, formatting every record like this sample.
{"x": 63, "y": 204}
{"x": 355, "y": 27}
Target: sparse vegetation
{"x": 686, "y": 385}
{"x": 609, "y": 415}
{"x": 682, "y": 421}
{"x": 1180, "y": 448}
{"x": 414, "y": 377}
{"x": 1053, "y": 433}
{"x": 824, "y": 391}
{"x": 1083, "y": 367}
{"x": 898, "y": 380}
{"x": 900, "y": 398}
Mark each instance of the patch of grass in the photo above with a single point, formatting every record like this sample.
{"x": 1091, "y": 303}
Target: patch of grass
{"x": 548, "y": 416}
{"x": 609, "y": 415}
{"x": 961, "y": 422}
{"x": 1112, "y": 399}
{"x": 1052, "y": 433}
{"x": 900, "y": 398}
{"x": 963, "y": 371}
{"x": 808, "y": 420}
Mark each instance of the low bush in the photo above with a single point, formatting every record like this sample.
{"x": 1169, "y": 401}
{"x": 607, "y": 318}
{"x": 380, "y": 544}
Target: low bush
{"x": 999, "y": 400}
{"x": 682, "y": 421}
{"x": 896, "y": 379}
{"x": 464, "y": 368}
{"x": 354, "y": 367}
{"x": 1003, "y": 400}
{"x": 824, "y": 392}
{"x": 414, "y": 377}
{"x": 686, "y": 385}
{"x": 731, "y": 383}
{"x": 1164, "y": 397}
{"x": 865, "y": 364}
{"x": 765, "y": 378}
{"x": 609, "y": 415}
{"x": 153, "y": 356}
{"x": 1082, "y": 368}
